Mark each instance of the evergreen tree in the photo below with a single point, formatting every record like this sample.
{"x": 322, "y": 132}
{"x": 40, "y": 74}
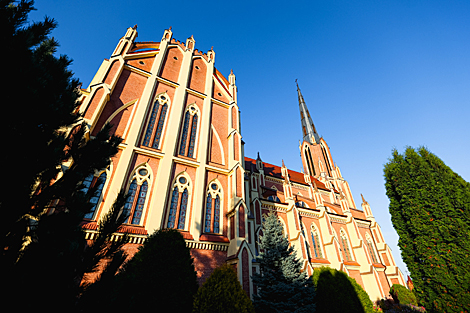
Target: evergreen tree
{"x": 337, "y": 292}
{"x": 160, "y": 275}
{"x": 430, "y": 209}
{"x": 40, "y": 96}
{"x": 222, "y": 292}
{"x": 282, "y": 287}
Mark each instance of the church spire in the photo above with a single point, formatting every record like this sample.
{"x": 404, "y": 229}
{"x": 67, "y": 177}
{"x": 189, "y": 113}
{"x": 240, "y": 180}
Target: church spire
{"x": 308, "y": 129}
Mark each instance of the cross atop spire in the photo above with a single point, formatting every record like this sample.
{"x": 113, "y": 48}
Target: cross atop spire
{"x": 308, "y": 129}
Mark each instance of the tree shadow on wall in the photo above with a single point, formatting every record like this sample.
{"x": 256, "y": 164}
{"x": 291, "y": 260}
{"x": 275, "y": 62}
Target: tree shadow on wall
{"x": 207, "y": 259}
{"x": 335, "y": 292}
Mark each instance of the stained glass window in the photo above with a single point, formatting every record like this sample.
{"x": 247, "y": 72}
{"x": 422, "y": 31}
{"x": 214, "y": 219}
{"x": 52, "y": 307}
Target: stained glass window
{"x": 185, "y": 133}
{"x": 274, "y": 198}
{"x": 371, "y": 251}
{"x": 161, "y": 120}
{"x": 193, "y": 136}
{"x": 130, "y": 200}
{"x": 207, "y": 223}
{"x": 173, "y": 207}
{"x": 183, "y": 206}
{"x": 344, "y": 242}
{"x": 316, "y": 245}
{"x": 139, "y": 208}
{"x": 216, "y": 214}
{"x": 99, "y": 190}
{"x": 87, "y": 183}
{"x": 151, "y": 124}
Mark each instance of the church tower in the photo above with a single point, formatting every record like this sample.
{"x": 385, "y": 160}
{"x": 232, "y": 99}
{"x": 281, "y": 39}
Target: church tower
{"x": 319, "y": 215}
{"x": 316, "y": 155}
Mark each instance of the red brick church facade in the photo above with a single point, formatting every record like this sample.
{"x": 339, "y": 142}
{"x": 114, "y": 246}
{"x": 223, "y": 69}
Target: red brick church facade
{"x": 183, "y": 163}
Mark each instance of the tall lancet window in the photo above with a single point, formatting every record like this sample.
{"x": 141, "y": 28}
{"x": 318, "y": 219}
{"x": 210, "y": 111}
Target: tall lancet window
{"x": 317, "y": 250}
{"x": 311, "y": 166}
{"x": 180, "y": 199}
{"x": 189, "y": 135}
{"x": 138, "y": 191}
{"x": 345, "y": 246}
{"x": 327, "y": 160}
{"x": 153, "y": 133}
{"x": 370, "y": 247}
{"x": 98, "y": 181}
{"x": 212, "y": 222}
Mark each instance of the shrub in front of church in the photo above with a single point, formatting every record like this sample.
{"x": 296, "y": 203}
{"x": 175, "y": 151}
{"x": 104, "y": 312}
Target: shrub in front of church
{"x": 391, "y": 306}
{"x": 161, "y": 275}
{"x": 337, "y": 292}
{"x": 281, "y": 285}
{"x": 430, "y": 209}
{"x": 402, "y": 295}
{"x": 222, "y": 292}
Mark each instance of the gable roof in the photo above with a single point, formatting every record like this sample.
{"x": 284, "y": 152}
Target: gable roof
{"x": 275, "y": 171}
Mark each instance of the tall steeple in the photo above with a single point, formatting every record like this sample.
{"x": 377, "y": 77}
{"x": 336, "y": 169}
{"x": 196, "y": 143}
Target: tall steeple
{"x": 308, "y": 129}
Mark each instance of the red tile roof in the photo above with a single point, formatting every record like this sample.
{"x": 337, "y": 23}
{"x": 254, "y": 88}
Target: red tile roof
{"x": 275, "y": 171}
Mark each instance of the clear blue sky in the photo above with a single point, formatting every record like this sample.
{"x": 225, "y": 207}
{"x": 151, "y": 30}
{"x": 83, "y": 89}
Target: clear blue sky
{"x": 376, "y": 75}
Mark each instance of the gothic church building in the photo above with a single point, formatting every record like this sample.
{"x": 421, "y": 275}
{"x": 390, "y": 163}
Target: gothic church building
{"x": 182, "y": 162}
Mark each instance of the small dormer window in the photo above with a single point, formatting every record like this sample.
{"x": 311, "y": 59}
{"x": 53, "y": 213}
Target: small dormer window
{"x": 274, "y": 199}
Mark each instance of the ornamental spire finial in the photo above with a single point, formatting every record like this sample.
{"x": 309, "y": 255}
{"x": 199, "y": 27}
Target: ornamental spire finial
{"x": 308, "y": 129}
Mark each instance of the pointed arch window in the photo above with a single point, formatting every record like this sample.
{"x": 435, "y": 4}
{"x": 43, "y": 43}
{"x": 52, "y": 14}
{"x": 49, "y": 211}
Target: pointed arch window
{"x": 311, "y": 166}
{"x": 180, "y": 195}
{"x": 327, "y": 160}
{"x": 345, "y": 246}
{"x": 97, "y": 181}
{"x": 370, "y": 247}
{"x": 189, "y": 134}
{"x": 212, "y": 220}
{"x": 153, "y": 133}
{"x": 137, "y": 191}
{"x": 317, "y": 250}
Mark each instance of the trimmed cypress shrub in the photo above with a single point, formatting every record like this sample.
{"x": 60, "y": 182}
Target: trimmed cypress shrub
{"x": 430, "y": 209}
{"x": 222, "y": 292}
{"x": 337, "y": 292}
{"x": 402, "y": 295}
{"x": 160, "y": 275}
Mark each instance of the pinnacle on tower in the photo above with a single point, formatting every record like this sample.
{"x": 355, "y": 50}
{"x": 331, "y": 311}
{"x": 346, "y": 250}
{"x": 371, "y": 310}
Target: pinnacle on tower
{"x": 364, "y": 200}
{"x": 308, "y": 129}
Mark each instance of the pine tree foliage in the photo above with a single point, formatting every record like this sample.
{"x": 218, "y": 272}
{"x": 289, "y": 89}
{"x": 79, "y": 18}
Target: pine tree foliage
{"x": 337, "y": 292}
{"x": 40, "y": 96}
{"x": 222, "y": 292}
{"x": 160, "y": 275}
{"x": 282, "y": 287}
{"x": 430, "y": 209}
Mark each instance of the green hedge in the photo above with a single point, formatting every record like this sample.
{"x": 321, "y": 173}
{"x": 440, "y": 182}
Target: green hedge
{"x": 222, "y": 292}
{"x": 337, "y": 292}
{"x": 403, "y": 295}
